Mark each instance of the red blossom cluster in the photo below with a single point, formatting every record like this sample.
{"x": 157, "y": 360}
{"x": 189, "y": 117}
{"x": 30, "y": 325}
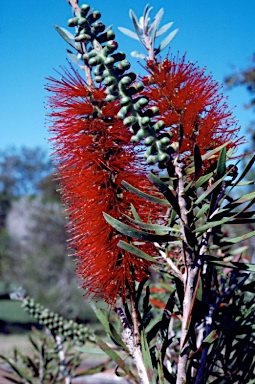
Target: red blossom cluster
{"x": 186, "y": 96}
{"x": 93, "y": 154}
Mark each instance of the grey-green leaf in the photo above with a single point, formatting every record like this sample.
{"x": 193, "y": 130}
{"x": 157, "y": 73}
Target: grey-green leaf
{"x": 163, "y": 29}
{"x": 129, "y": 33}
{"x": 167, "y": 40}
{"x": 66, "y": 35}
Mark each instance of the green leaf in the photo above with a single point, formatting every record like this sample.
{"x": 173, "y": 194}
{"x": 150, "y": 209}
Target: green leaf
{"x": 134, "y": 212}
{"x": 198, "y": 161}
{"x": 210, "y": 338}
{"x": 129, "y": 33}
{"x": 66, "y": 35}
{"x": 147, "y": 358}
{"x": 247, "y": 197}
{"x": 115, "y": 357}
{"x": 245, "y": 171}
{"x": 90, "y": 350}
{"x": 239, "y": 238}
{"x": 202, "y": 211}
{"x": 144, "y": 195}
{"x": 163, "y": 188}
{"x": 167, "y": 40}
{"x": 152, "y": 227}
{"x": 221, "y": 165}
{"x": 203, "y": 179}
{"x": 135, "y": 233}
{"x": 135, "y": 251}
{"x": 108, "y": 326}
{"x": 208, "y": 191}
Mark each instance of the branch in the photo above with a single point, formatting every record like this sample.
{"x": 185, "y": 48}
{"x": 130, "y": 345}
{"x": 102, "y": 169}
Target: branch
{"x": 132, "y": 341}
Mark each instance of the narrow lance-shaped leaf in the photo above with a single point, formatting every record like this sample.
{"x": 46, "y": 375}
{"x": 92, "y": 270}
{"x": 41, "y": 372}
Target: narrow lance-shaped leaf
{"x": 163, "y": 188}
{"x": 74, "y": 58}
{"x": 151, "y": 227}
{"x": 167, "y": 40}
{"x": 198, "y": 161}
{"x": 135, "y": 233}
{"x": 164, "y": 28}
{"x": 115, "y": 357}
{"x": 144, "y": 195}
{"x": 66, "y": 35}
{"x": 135, "y": 251}
{"x": 129, "y": 33}
{"x": 136, "y": 24}
{"x": 156, "y": 23}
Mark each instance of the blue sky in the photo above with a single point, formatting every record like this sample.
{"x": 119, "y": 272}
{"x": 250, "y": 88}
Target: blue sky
{"x": 216, "y": 34}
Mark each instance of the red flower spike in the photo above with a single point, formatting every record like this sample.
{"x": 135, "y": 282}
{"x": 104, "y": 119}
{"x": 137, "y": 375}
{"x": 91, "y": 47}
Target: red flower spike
{"x": 93, "y": 155}
{"x": 186, "y": 96}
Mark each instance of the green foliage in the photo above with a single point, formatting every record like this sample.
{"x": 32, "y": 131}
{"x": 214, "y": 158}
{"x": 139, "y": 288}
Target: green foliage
{"x": 43, "y": 365}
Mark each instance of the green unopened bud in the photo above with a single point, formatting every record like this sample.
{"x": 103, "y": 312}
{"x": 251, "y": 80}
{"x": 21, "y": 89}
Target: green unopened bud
{"x": 82, "y": 38}
{"x": 125, "y": 100}
{"x": 149, "y": 140}
{"x": 110, "y": 35}
{"x": 159, "y": 125}
{"x": 98, "y": 79}
{"x": 163, "y": 157}
{"x": 109, "y": 62}
{"x": 73, "y": 22}
{"x": 123, "y": 112}
{"x": 84, "y": 10}
{"x": 110, "y": 80}
{"x": 95, "y": 61}
{"x": 126, "y": 81}
{"x": 111, "y": 46}
{"x": 130, "y": 120}
{"x": 138, "y": 136}
{"x": 164, "y": 141}
{"x": 99, "y": 70}
{"x": 82, "y": 21}
{"x": 141, "y": 103}
{"x": 152, "y": 159}
{"x": 93, "y": 17}
{"x": 145, "y": 121}
{"x": 110, "y": 98}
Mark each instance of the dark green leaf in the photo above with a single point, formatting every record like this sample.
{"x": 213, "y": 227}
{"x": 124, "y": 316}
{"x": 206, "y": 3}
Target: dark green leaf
{"x": 198, "y": 161}
{"x": 203, "y": 179}
{"x": 245, "y": 171}
{"x": 135, "y": 233}
{"x": 135, "y": 251}
{"x": 164, "y": 189}
{"x": 108, "y": 326}
{"x": 143, "y": 195}
{"x": 221, "y": 165}
{"x": 159, "y": 229}
{"x": 115, "y": 357}
{"x": 147, "y": 358}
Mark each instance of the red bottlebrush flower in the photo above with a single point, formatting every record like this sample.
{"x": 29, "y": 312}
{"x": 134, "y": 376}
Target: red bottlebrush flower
{"x": 186, "y": 96}
{"x": 93, "y": 155}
